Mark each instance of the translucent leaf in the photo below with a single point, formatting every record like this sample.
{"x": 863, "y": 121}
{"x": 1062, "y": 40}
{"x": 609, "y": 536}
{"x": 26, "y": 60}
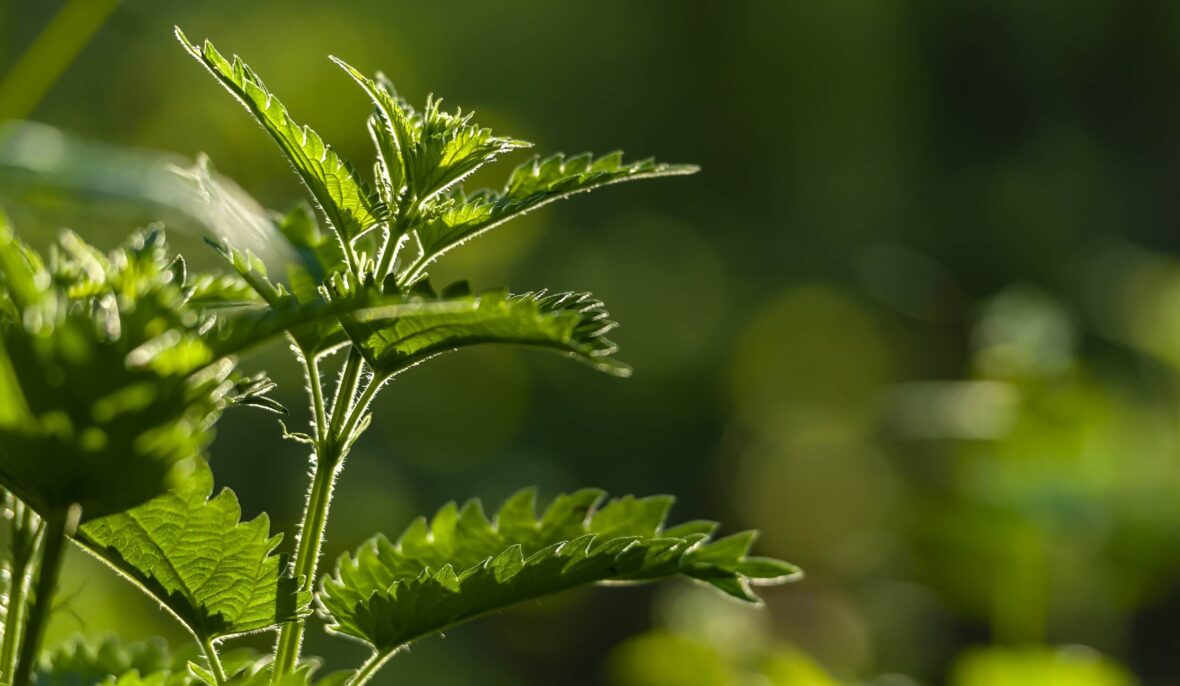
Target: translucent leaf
{"x": 255, "y": 672}
{"x": 218, "y": 575}
{"x": 436, "y": 149}
{"x": 319, "y": 255}
{"x": 533, "y": 184}
{"x": 460, "y": 565}
{"x": 572, "y": 323}
{"x": 335, "y": 185}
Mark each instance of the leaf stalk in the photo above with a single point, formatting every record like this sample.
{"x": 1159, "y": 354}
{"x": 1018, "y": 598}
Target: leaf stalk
{"x": 331, "y": 449}
{"x": 214, "y": 659}
{"x": 25, "y": 534}
{"x": 370, "y": 667}
{"x": 58, "y": 527}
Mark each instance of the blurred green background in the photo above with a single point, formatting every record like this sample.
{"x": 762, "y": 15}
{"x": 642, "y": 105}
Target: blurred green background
{"x": 918, "y": 319}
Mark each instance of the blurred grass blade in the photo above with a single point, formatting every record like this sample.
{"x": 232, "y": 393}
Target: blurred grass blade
{"x": 51, "y": 54}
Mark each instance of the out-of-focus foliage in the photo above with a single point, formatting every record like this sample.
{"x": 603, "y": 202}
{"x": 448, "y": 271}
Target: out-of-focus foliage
{"x": 1039, "y": 667}
{"x": 81, "y": 661}
{"x": 700, "y": 642}
{"x": 79, "y": 425}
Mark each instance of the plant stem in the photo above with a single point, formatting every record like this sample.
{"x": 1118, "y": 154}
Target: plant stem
{"x": 414, "y": 271}
{"x": 14, "y": 620}
{"x": 311, "y": 538}
{"x": 24, "y": 538}
{"x": 57, "y": 526}
{"x": 312, "y": 367}
{"x": 345, "y": 392}
{"x": 358, "y": 410}
{"x": 329, "y": 455}
{"x": 214, "y": 660}
{"x": 407, "y": 213}
{"x": 371, "y": 666}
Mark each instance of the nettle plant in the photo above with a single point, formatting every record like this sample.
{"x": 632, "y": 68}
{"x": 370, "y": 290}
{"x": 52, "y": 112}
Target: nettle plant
{"x": 114, "y": 369}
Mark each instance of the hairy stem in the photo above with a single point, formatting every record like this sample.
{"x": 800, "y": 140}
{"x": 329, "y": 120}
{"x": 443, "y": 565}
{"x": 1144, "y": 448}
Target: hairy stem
{"x": 345, "y": 392}
{"x": 370, "y": 667}
{"x": 330, "y": 448}
{"x": 311, "y": 538}
{"x": 24, "y": 536}
{"x": 358, "y": 410}
{"x": 58, "y": 526}
{"x": 312, "y": 367}
{"x": 397, "y": 235}
{"x": 214, "y": 659}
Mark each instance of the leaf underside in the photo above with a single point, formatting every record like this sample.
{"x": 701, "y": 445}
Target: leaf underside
{"x": 460, "y": 565}
{"x": 192, "y": 552}
{"x": 571, "y": 323}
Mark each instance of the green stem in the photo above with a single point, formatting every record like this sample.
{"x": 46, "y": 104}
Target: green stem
{"x": 214, "y": 660}
{"x": 329, "y": 456}
{"x": 358, "y": 410}
{"x": 407, "y": 214}
{"x": 311, "y": 364}
{"x": 345, "y": 392}
{"x": 311, "y": 538}
{"x": 414, "y": 271}
{"x": 370, "y": 667}
{"x": 24, "y": 540}
{"x": 57, "y": 526}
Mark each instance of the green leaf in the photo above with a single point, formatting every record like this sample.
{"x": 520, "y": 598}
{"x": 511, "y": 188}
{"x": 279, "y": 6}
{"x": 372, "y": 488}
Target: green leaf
{"x": 218, "y": 575}
{"x": 108, "y": 661}
{"x": 249, "y": 670}
{"x": 572, "y": 323}
{"x": 335, "y": 185}
{"x": 319, "y": 255}
{"x": 216, "y": 292}
{"x": 533, "y": 184}
{"x": 435, "y": 149}
{"x": 460, "y": 566}
{"x": 78, "y": 424}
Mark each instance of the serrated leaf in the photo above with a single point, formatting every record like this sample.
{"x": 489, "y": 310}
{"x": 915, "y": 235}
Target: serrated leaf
{"x": 319, "y": 255}
{"x": 190, "y": 550}
{"x": 314, "y": 325}
{"x": 335, "y": 185}
{"x": 460, "y": 565}
{"x": 78, "y": 425}
{"x": 111, "y": 662}
{"x": 572, "y": 323}
{"x": 218, "y": 292}
{"x": 249, "y": 670}
{"x": 531, "y": 185}
{"x": 436, "y": 149}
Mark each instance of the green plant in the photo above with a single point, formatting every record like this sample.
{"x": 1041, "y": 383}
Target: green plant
{"x": 114, "y": 369}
